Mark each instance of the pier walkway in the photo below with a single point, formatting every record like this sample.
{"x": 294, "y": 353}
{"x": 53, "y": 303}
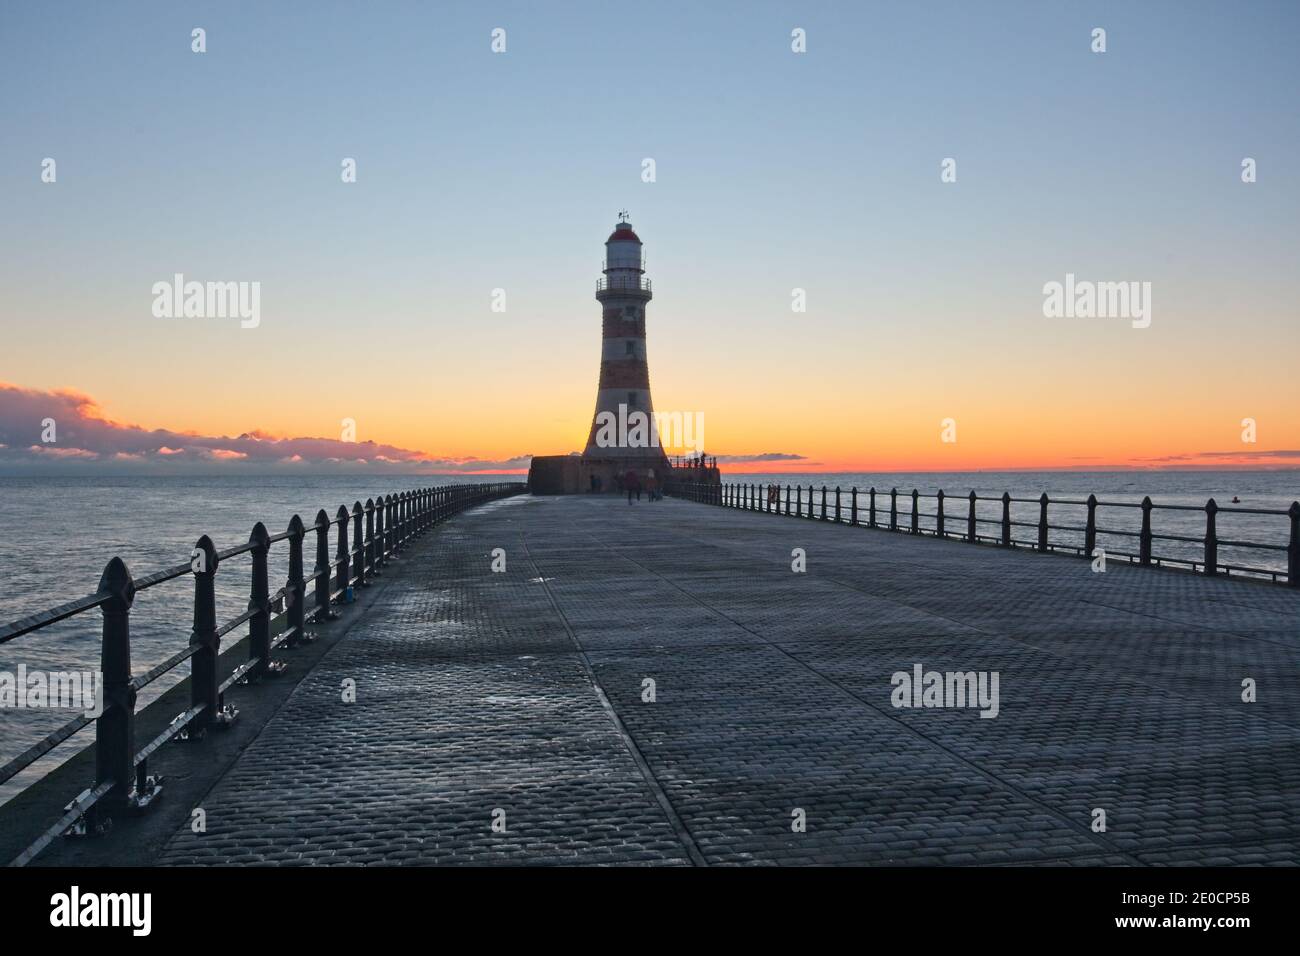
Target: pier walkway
{"x": 519, "y": 698}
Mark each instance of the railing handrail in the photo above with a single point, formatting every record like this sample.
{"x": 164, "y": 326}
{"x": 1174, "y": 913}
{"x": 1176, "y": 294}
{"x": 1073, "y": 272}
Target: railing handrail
{"x": 747, "y": 496}
{"x": 121, "y": 775}
{"x": 640, "y": 284}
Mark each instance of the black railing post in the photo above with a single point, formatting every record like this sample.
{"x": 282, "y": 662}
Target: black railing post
{"x": 381, "y": 551}
{"x": 871, "y": 508}
{"x": 1006, "y": 519}
{"x": 343, "y": 557}
{"x": 971, "y": 530}
{"x": 1042, "y": 522}
{"x": 1090, "y": 528}
{"x": 787, "y": 501}
{"x": 1212, "y": 538}
{"x": 798, "y": 501}
{"x": 370, "y": 538}
{"x": 295, "y": 588}
{"x": 893, "y": 509}
{"x": 259, "y": 602}
{"x": 204, "y": 692}
{"x": 1144, "y": 542}
{"x": 837, "y": 504}
{"x": 1293, "y": 547}
{"x": 916, "y": 512}
{"x": 938, "y": 516}
{"x": 358, "y": 545}
{"x": 387, "y": 525}
{"x": 322, "y": 569}
{"x": 823, "y": 502}
{"x": 853, "y": 514}
{"x": 115, "y": 728}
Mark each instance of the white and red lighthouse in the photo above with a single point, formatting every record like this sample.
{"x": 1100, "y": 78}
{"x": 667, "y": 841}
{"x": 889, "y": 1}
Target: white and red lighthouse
{"x": 623, "y": 436}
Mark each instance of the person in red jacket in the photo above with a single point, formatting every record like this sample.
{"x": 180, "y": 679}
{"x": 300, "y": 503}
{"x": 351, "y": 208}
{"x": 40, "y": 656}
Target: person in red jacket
{"x": 633, "y": 484}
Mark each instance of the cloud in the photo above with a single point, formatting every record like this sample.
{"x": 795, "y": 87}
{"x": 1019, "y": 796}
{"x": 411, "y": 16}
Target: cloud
{"x": 763, "y": 456}
{"x": 1257, "y": 457}
{"x": 85, "y": 436}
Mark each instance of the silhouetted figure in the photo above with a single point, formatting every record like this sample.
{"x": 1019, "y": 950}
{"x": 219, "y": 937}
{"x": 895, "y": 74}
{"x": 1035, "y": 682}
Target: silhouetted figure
{"x": 633, "y": 485}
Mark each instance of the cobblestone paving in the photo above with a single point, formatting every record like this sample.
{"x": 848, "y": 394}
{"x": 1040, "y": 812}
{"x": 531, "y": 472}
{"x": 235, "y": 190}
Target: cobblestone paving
{"x": 523, "y": 692}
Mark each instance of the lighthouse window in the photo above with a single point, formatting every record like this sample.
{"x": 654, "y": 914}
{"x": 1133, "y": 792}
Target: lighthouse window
{"x": 630, "y": 347}
{"x": 631, "y": 399}
{"x": 629, "y": 312}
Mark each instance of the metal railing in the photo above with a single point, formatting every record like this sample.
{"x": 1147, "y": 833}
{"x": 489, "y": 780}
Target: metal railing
{"x": 874, "y": 509}
{"x": 381, "y": 528}
{"x": 620, "y": 284}
{"x": 695, "y": 461}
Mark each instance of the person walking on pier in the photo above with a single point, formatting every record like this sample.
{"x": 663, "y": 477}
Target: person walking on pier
{"x": 633, "y": 484}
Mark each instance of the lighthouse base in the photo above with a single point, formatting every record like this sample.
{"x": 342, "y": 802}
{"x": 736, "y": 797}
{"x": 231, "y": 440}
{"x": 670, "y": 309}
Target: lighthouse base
{"x": 580, "y": 474}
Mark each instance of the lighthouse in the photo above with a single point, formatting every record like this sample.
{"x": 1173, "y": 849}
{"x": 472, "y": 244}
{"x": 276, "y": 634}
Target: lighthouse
{"x": 622, "y": 427}
{"x": 623, "y": 436}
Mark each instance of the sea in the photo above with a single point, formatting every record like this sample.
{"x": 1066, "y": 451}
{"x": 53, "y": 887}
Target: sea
{"x": 57, "y": 533}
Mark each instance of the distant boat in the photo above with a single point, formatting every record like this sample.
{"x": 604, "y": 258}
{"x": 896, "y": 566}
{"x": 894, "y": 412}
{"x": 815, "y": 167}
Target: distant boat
{"x": 1236, "y": 500}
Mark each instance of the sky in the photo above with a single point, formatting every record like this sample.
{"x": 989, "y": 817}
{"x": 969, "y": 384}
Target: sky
{"x": 774, "y": 171}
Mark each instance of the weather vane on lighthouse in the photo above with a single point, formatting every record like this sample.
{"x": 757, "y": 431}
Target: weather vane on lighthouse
{"x": 622, "y": 215}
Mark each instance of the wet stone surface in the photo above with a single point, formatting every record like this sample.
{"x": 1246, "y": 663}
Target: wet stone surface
{"x": 485, "y": 697}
